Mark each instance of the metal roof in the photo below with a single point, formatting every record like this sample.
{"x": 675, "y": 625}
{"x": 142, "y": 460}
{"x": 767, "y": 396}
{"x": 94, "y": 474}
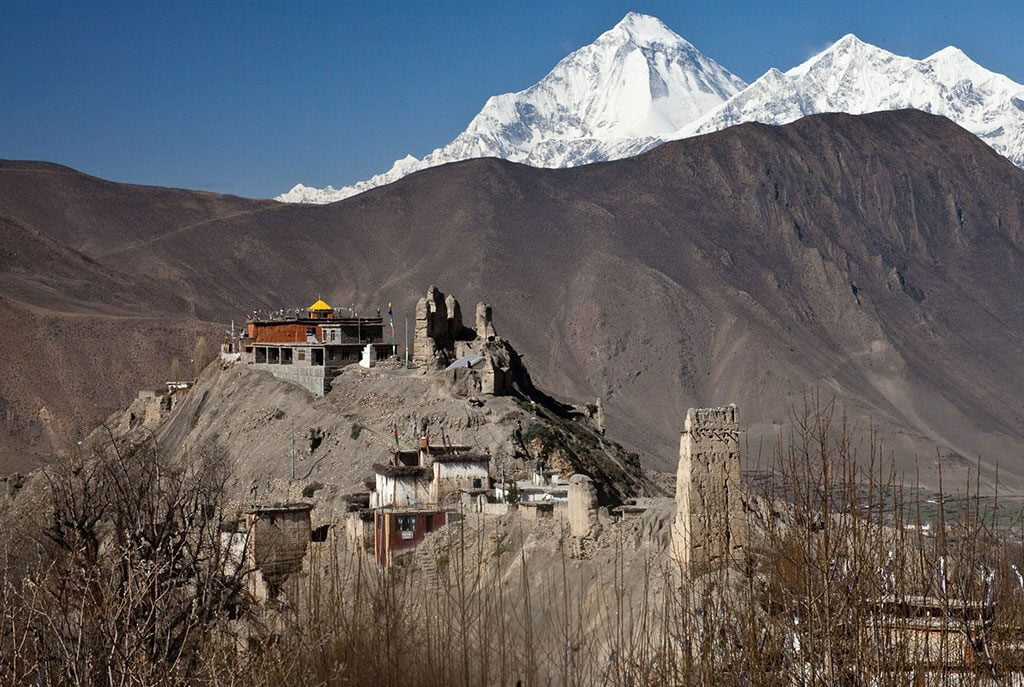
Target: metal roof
{"x": 465, "y": 361}
{"x": 319, "y": 305}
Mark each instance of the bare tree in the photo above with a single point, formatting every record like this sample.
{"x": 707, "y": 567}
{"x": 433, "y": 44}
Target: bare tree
{"x": 139, "y": 580}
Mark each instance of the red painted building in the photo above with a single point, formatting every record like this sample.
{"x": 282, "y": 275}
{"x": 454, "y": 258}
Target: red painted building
{"x": 401, "y": 529}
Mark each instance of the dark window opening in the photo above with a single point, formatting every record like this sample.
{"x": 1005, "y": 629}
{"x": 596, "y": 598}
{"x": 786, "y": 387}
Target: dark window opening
{"x": 318, "y": 356}
{"x": 477, "y": 483}
{"x": 319, "y": 534}
{"x": 405, "y": 523}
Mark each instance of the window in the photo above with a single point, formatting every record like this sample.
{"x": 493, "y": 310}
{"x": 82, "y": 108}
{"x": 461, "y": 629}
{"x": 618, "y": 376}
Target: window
{"x": 477, "y": 483}
{"x": 319, "y": 534}
{"x": 405, "y": 523}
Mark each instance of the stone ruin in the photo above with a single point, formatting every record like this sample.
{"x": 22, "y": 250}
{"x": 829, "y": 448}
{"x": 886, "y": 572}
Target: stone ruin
{"x": 438, "y": 327}
{"x": 583, "y": 515}
{"x": 476, "y": 360}
{"x": 710, "y": 527}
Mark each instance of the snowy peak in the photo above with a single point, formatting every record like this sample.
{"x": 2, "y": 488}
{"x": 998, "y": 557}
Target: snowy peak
{"x": 637, "y": 79}
{"x": 843, "y": 52}
{"x": 639, "y": 84}
{"x": 634, "y": 85}
{"x": 646, "y": 31}
{"x": 856, "y": 77}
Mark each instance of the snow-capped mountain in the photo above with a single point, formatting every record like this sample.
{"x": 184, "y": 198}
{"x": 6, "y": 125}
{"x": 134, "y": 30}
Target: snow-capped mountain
{"x": 855, "y": 77}
{"x": 637, "y": 84}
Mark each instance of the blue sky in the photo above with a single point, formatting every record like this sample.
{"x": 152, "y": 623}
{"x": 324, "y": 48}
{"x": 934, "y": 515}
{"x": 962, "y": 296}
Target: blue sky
{"x": 252, "y": 97}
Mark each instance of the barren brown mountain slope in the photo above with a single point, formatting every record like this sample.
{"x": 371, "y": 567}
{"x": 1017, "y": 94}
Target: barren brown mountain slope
{"x": 877, "y": 258}
{"x": 78, "y": 336}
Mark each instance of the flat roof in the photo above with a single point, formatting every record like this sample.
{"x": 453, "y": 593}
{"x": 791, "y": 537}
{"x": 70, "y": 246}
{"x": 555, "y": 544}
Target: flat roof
{"x": 319, "y": 321}
{"x": 399, "y": 470}
{"x": 310, "y": 344}
{"x": 426, "y": 508}
{"x": 462, "y": 458}
{"x": 465, "y": 361}
{"x": 296, "y": 506}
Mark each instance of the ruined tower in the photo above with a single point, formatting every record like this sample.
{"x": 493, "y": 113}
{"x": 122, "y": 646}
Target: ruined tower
{"x": 454, "y": 312}
{"x": 710, "y": 527}
{"x": 484, "y": 325}
{"x": 432, "y": 327}
{"x": 584, "y": 523}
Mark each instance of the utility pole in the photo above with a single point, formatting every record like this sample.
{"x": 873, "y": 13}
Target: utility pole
{"x": 293, "y": 453}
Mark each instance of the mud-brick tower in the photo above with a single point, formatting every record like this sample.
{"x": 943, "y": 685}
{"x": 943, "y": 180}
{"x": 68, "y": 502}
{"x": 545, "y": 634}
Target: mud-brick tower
{"x": 710, "y": 529}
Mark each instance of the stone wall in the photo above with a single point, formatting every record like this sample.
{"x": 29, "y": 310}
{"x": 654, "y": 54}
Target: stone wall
{"x": 313, "y": 378}
{"x": 710, "y": 526}
{"x": 277, "y": 542}
{"x": 453, "y": 477}
{"x": 359, "y": 532}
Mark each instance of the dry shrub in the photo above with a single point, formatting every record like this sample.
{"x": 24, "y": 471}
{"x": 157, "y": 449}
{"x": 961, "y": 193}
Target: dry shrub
{"x": 131, "y": 579}
{"x": 835, "y": 589}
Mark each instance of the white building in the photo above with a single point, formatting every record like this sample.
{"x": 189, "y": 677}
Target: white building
{"x": 400, "y": 485}
{"x": 542, "y": 487}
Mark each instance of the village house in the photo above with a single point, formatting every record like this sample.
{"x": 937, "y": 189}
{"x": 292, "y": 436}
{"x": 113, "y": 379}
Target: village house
{"x": 543, "y": 486}
{"x": 400, "y": 485}
{"x": 271, "y": 540}
{"x": 310, "y": 347}
{"x": 401, "y": 529}
{"x": 414, "y": 494}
